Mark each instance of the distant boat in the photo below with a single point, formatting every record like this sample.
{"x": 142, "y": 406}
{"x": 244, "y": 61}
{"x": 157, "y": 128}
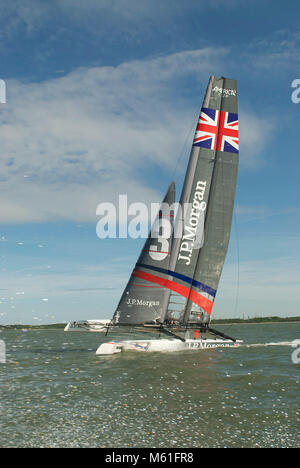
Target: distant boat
{"x": 173, "y": 286}
{"x": 88, "y": 325}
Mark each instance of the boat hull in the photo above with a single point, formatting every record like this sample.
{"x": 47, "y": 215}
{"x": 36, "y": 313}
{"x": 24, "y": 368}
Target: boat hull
{"x": 164, "y": 345}
{"x": 87, "y": 326}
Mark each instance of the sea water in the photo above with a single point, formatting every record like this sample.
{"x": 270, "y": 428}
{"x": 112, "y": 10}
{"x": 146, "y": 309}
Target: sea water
{"x": 55, "y": 392}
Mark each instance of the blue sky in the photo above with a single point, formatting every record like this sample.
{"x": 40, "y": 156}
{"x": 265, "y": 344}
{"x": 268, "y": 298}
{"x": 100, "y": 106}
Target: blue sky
{"x": 102, "y": 99}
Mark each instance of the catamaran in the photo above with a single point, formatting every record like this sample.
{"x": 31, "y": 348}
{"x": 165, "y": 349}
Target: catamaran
{"x": 97, "y": 325}
{"x": 173, "y": 285}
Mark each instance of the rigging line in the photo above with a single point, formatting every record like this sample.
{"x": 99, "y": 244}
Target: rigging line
{"x": 193, "y": 126}
{"x": 238, "y": 263}
{"x": 194, "y": 123}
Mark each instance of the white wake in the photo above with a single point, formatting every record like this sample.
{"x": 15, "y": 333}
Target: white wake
{"x": 294, "y": 344}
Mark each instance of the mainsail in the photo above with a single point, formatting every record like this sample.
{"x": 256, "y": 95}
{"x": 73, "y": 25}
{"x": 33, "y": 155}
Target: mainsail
{"x": 145, "y": 300}
{"x": 203, "y": 228}
{"x": 176, "y": 277}
{"x": 209, "y": 189}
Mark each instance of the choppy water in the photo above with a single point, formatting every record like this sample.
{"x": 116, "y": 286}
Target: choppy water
{"x": 55, "y": 392}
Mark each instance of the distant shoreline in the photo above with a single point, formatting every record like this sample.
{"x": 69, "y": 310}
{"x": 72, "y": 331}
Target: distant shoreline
{"x": 273, "y": 319}
{"x": 232, "y": 321}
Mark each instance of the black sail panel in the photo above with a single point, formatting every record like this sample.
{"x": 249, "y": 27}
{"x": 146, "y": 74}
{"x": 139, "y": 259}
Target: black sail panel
{"x": 198, "y": 254}
{"x": 144, "y": 299}
{"x": 218, "y": 220}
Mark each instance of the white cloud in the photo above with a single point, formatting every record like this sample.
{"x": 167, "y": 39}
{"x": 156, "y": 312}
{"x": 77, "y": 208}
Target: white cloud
{"x": 70, "y": 143}
{"x": 277, "y": 51}
{"x": 254, "y": 132}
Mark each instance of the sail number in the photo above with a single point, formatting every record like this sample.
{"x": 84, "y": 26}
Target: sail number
{"x": 161, "y": 232}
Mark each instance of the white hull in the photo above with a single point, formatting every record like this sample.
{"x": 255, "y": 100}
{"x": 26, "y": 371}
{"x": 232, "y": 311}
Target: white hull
{"x": 164, "y": 345}
{"x": 88, "y": 325}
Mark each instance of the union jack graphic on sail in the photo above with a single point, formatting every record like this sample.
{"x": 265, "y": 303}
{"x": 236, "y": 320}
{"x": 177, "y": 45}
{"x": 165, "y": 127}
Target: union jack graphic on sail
{"x": 217, "y": 130}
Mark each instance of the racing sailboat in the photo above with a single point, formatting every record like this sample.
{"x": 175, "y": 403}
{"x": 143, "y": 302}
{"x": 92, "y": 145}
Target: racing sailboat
{"x": 173, "y": 285}
{"x": 87, "y": 325}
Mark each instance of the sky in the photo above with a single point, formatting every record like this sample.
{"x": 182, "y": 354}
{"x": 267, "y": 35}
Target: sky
{"x": 102, "y": 99}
